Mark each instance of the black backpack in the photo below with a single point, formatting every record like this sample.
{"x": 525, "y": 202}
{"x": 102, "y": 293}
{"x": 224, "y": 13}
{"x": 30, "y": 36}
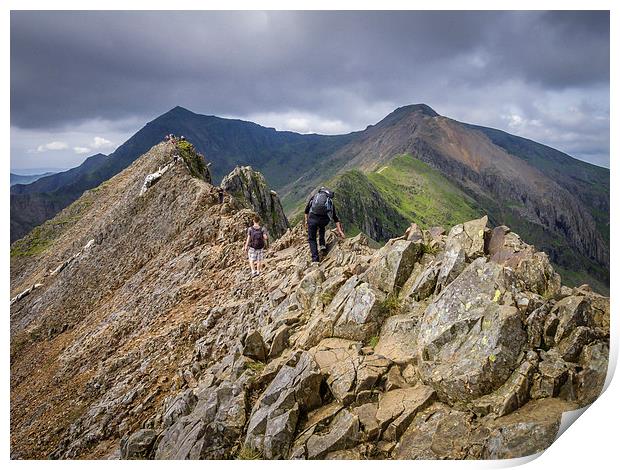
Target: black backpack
{"x": 256, "y": 238}
{"x": 322, "y": 203}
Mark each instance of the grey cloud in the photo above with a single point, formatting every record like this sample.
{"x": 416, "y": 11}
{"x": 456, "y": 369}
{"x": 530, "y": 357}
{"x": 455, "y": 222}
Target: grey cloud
{"x": 354, "y": 67}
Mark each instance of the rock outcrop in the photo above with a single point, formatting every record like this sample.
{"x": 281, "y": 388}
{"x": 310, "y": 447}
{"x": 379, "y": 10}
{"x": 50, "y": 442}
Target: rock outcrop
{"x": 156, "y": 343}
{"x": 250, "y": 186}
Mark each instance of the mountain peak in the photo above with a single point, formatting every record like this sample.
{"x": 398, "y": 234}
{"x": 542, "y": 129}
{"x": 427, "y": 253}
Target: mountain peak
{"x": 178, "y": 111}
{"x": 417, "y": 108}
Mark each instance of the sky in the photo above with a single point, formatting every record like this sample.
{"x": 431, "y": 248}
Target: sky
{"x": 84, "y": 82}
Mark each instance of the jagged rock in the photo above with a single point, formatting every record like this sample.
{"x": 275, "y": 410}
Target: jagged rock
{"x": 178, "y": 406}
{"x": 392, "y": 264}
{"x": 413, "y": 233}
{"x": 310, "y": 288}
{"x": 394, "y": 379}
{"x": 139, "y": 445}
{"x": 274, "y": 417}
{"x": 321, "y": 324}
{"x": 317, "y": 421}
{"x": 570, "y": 314}
{"x": 452, "y": 263}
{"x": 342, "y": 434}
{"x": 465, "y": 242}
{"x": 496, "y": 243}
{"x": 398, "y": 338}
{"x": 470, "y": 236}
{"x": 355, "y": 313}
{"x": 439, "y": 432}
{"x": 362, "y": 314}
{"x": 552, "y": 374}
{"x": 528, "y": 430}
{"x": 350, "y": 376}
{"x": 535, "y": 274}
{"x": 421, "y": 284}
{"x": 513, "y": 394}
{"x": 211, "y": 429}
{"x": 254, "y": 346}
{"x": 370, "y": 369}
{"x": 590, "y": 380}
{"x": 338, "y": 359}
{"x": 468, "y": 348}
{"x": 321, "y": 417}
{"x": 279, "y": 342}
{"x": 597, "y": 315}
{"x": 397, "y": 408}
{"x": 535, "y": 326}
{"x": 250, "y": 185}
{"x": 570, "y": 347}
{"x": 367, "y": 416}
{"x": 330, "y": 287}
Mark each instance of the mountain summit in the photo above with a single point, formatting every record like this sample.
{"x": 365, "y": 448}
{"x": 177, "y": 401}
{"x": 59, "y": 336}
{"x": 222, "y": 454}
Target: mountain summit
{"x": 137, "y": 331}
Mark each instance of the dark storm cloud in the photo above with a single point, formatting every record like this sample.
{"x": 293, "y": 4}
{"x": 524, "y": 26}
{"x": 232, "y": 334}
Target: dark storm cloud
{"x": 324, "y": 70}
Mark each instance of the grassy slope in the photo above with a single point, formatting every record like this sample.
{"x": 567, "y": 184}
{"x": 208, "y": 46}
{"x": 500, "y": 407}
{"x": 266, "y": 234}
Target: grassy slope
{"x": 384, "y": 202}
{"x": 422, "y": 194}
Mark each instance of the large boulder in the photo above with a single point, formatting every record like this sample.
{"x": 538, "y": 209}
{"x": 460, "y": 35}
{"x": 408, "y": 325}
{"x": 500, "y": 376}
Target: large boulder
{"x": 211, "y": 429}
{"x": 392, "y": 264}
{"x": 138, "y": 446}
{"x": 356, "y": 313}
{"x": 342, "y": 434}
{"x": 468, "y": 343}
{"x": 293, "y": 391}
{"x": 397, "y": 408}
{"x": 350, "y": 375}
{"x": 422, "y": 280}
{"x": 398, "y": 338}
{"x": 529, "y": 430}
{"x": 362, "y": 314}
{"x": 250, "y": 185}
{"x": 439, "y": 432}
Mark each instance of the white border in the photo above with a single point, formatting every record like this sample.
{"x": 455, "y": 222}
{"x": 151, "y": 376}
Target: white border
{"x": 589, "y": 444}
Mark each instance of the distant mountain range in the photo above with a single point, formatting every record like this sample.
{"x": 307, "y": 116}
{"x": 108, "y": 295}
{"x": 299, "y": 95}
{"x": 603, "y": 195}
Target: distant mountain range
{"x": 27, "y": 179}
{"x": 414, "y": 165}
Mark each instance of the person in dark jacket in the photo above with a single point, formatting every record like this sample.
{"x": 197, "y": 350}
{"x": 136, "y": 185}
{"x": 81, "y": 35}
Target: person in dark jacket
{"x": 318, "y": 213}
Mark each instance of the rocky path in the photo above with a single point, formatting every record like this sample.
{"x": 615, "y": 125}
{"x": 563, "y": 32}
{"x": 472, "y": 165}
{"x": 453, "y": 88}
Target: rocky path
{"x": 157, "y": 343}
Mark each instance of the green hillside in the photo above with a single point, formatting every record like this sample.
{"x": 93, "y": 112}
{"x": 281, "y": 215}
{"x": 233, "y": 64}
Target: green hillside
{"x": 422, "y": 194}
{"x": 384, "y": 202}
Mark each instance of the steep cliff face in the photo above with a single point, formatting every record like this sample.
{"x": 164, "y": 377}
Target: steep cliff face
{"x": 249, "y": 185}
{"x": 138, "y": 332}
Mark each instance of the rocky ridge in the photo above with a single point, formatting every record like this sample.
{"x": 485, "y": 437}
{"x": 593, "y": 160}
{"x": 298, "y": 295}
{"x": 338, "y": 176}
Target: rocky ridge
{"x": 156, "y": 343}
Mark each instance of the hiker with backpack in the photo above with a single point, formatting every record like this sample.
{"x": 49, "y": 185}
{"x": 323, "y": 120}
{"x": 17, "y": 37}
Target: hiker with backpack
{"x": 318, "y": 213}
{"x": 255, "y": 244}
